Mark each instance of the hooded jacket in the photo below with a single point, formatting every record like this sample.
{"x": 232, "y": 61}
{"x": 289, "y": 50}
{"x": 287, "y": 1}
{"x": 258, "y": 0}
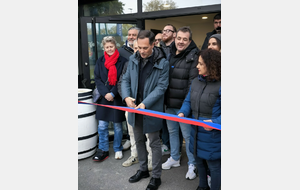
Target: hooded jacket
{"x": 154, "y": 88}
{"x": 182, "y": 71}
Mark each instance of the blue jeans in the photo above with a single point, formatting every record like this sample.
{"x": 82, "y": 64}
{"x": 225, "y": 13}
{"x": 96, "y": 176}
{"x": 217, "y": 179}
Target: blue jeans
{"x": 215, "y": 173}
{"x": 173, "y": 128}
{"x": 103, "y": 136}
{"x": 165, "y": 134}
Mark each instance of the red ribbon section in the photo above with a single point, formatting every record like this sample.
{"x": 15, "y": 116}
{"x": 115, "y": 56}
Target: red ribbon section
{"x": 162, "y": 116}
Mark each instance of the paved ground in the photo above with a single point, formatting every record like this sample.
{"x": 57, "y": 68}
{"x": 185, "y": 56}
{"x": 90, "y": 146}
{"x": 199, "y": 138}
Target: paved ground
{"x": 111, "y": 175}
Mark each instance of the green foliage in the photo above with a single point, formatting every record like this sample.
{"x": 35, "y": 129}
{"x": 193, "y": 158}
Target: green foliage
{"x": 157, "y": 5}
{"x": 106, "y": 8}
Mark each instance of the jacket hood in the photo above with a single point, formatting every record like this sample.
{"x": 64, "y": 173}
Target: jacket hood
{"x": 157, "y": 55}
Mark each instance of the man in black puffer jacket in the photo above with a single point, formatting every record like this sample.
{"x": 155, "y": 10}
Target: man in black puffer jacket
{"x": 183, "y": 61}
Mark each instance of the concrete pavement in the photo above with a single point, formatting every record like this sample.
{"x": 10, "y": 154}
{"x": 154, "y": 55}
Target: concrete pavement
{"x": 111, "y": 175}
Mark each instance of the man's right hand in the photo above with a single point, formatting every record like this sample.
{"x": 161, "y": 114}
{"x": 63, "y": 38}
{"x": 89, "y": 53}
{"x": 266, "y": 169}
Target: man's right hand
{"x": 130, "y": 102}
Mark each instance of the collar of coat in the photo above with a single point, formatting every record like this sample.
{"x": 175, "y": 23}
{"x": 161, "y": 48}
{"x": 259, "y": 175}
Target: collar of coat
{"x": 157, "y": 55}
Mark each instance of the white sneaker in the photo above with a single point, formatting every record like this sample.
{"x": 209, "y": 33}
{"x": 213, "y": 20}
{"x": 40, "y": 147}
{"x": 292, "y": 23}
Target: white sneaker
{"x": 131, "y": 160}
{"x": 118, "y": 155}
{"x": 165, "y": 150}
{"x": 170, "y": 163}
{"x": 126, "y": 145}
{"x": 191, "y": 174}
{"x": 209, "y": 181}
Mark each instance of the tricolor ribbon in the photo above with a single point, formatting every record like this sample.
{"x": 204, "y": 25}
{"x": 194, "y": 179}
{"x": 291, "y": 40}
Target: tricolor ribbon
{"x": 162, "y": 116}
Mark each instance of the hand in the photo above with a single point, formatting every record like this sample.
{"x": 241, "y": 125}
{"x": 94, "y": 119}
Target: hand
{"x": 141, "y": 105}
{"x": 130, "y": 102}
{"x": 109, "y": 97}
{"x": 205, "y": 128}
{"x": 180, "y": 115}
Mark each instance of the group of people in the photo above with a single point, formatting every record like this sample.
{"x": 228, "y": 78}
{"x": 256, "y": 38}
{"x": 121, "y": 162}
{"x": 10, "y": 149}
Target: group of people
{"x": 166, "y": 73}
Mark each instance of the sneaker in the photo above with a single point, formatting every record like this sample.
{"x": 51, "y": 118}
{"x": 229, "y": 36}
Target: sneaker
{"x": 126, "y": 145}
{"x": 209, "y": 180}
{"x": 165, "y": 150}
{"x": 149, "y": 165}
{"x": 170, "y": 163}
{"x": 131, "y": 160}
{"x": 118, "y": 155}
{"x": 100, "y": 155}
{"x": 191, "y": 174}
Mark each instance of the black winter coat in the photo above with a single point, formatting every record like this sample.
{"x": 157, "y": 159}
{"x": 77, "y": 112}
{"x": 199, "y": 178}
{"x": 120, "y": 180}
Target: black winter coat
{"x": 182, "y": 71}
{"x": 103, "y": 113}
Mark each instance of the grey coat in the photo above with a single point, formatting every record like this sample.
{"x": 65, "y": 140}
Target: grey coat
{"x": 155, "y": 86}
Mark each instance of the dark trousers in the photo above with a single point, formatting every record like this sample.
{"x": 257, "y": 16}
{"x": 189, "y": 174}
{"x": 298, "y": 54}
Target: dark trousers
{"x": 215, "y": 173}
{"x": 155, "y": 145}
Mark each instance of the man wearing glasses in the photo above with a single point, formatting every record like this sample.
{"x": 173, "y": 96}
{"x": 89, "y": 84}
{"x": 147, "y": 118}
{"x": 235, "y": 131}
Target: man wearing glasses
{"x": 217, "y": 30}
{"x": 168, "y": 36}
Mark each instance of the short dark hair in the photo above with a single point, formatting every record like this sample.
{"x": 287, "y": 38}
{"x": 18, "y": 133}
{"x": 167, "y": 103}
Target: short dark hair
{"x": 185, "y": 29}
{"x": 212, "y": 60}
{"x": 174, "y": 28}
{"x": 146, "y": 34}
{"x": 217, "y": 17}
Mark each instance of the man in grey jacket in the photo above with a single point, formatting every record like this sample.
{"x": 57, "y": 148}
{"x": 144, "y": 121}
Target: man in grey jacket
{"x": 143, "y": 87}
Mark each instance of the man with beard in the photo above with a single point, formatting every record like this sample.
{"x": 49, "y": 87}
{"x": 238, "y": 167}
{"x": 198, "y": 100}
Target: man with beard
{"x": 183, "y": 61}
{"x": 168, "y": 36}
{"x": 217, "y": 30}
{"x": 143, "y": 86}
{"x": 127, "y": 49}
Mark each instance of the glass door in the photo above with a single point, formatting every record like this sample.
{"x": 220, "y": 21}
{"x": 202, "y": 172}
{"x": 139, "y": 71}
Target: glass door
{"x": 93, "y": 30}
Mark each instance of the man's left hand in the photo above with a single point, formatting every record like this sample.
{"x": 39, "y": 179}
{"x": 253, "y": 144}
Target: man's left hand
{"x": 141, "y": 106}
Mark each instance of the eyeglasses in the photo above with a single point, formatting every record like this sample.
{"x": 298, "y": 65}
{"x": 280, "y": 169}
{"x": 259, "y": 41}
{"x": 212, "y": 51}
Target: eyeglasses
{"x": 157, "y": 40}
{"x": 167, "y": 31}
